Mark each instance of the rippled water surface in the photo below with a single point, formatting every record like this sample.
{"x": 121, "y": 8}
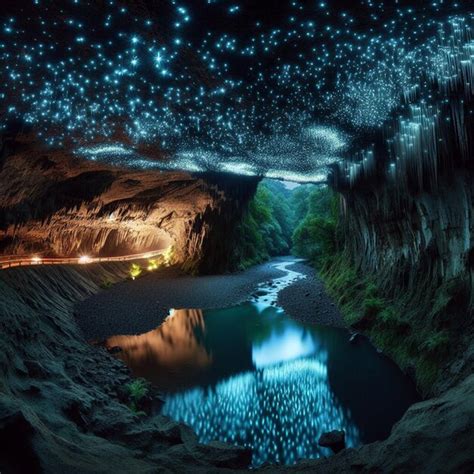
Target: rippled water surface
{"x": 251, "y": 376}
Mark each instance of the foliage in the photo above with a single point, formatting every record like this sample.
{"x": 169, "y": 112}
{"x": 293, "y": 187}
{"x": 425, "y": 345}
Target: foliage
{"x": 410, "y": 328}
{"x": 135, "y": 271}
{"x": 137, "y": 390}
{"x": 265, "y": 229}
{"x": 315, "y": 234}
{"x": 402, "y": 327}
{"x": 314, "y": 238}
{"x": 437, "y": 342}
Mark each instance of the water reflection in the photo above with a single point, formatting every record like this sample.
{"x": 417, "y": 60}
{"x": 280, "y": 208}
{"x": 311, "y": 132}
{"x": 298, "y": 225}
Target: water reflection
{"x": 170, "y": 355}
{"x": 279, "y": 411}
{"x": 291, "y": 343}
{"x": 251, "y": 376}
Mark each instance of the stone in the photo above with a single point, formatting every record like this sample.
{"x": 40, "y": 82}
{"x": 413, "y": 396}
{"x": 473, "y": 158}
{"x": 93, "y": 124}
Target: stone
{"x": 335, "y": 440}
{"x": 354, "y": 337}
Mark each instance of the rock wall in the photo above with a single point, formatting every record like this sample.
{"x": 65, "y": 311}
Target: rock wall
{"x": 417, "y": 246}
{"x": 64, "y": 406}
{"x": 410, "y": 237}
{"x": 54, "y": 204}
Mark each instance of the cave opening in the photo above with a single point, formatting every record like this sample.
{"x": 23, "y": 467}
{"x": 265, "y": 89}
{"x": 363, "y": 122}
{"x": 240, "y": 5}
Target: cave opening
{"x": 287, "y": 218}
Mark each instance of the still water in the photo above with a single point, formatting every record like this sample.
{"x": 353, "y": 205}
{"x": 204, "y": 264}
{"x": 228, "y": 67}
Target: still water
{"x": 251, "y": 376}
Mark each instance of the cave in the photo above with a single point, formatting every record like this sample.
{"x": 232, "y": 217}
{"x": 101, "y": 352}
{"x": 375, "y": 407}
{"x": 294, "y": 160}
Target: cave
{"x": 236, "y": 236}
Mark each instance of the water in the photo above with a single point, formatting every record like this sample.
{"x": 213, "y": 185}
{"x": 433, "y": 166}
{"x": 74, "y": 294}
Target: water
{"x": 251, "y": 376}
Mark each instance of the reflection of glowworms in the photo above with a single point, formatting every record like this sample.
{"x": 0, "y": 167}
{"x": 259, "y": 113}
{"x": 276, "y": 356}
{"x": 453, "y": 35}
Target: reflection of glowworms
{"x": 278, "y": 411}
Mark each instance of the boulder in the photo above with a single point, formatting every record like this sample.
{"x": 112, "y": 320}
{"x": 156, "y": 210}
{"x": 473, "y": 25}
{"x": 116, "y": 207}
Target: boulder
{"x": 336, "y": 440}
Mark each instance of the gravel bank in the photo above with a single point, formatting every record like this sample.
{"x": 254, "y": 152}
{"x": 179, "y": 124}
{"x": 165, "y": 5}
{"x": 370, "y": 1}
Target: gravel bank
{"x": 133, "y": 307}
{"x": 306, "y": 300}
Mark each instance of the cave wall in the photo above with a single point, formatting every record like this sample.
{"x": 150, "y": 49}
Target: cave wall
{"x": 412, "y": 236}
{"x": 407, "y": 216}
{"x": 53, "y": 203}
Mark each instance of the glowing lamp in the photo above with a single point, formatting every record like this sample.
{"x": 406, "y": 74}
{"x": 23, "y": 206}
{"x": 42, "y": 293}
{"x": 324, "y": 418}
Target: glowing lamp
{"x": 135, "y": 270}
{"x": 84, "y": 259}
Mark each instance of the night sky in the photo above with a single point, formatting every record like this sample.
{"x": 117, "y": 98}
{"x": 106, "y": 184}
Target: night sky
{"x": 280, "y": 88}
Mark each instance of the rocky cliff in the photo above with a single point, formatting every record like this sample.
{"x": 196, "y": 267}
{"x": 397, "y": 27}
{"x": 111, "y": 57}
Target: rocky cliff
{"x": 408, "y": 232}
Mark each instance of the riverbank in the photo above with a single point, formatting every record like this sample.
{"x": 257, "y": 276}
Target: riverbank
{"x": 132, "y": 307}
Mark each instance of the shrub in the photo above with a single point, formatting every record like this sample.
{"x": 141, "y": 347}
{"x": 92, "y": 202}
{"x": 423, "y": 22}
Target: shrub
{"x": 437, "y": 343}
{"x": 137, "y": 391}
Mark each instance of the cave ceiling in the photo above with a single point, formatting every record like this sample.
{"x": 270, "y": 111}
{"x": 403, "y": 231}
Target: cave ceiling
{"x": 283, "y": 89}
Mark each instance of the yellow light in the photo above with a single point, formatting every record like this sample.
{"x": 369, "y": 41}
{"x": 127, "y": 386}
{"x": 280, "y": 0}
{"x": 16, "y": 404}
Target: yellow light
{"x": 84, "y": 259}
{"x": 168, "y": 254}
{"x": 152, "y": 265}
{"x": 36, "y": 260}
{"x": 135, "y": 270}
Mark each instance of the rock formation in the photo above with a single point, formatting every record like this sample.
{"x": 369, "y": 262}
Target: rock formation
{"x": 53, "y": 203}
{"x": 61, "y": 399}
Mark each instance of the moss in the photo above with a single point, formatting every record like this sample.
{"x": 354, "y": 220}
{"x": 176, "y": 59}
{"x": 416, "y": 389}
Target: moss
{"x": 437, "y": 343}
{"x": 400, "y": 328}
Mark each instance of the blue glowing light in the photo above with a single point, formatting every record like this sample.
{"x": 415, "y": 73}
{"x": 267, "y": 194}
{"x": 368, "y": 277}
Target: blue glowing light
{"x": 288, "y": 98}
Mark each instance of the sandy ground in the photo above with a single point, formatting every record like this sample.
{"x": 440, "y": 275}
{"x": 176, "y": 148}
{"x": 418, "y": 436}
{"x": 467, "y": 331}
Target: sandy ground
{"x": 133, "y": 307}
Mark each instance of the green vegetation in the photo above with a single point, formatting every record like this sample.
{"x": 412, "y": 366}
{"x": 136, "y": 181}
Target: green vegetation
{"x": 265, "y": 229}
{"x": 268, "y": 226}
{"x": 135, "y": 271}
{"x": 410, "y": 328}
{"x": 137, "y": 391}
{"x": 314, "y": 235}
{"x": 391, "y": 325}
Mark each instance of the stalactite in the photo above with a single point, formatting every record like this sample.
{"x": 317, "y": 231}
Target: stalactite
{"x": 432, "y": 133}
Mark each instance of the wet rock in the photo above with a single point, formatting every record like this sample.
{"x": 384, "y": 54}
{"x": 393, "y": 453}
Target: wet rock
{"x": 354, "y": 338}
{"x": 335, "y": 440}
{"x": 33, "y": 390}
{"x": 171, "y": 432}
{"x": 75, "y": 412}
{"x": 35, "y": 369}
{"x": 224, "y": 456}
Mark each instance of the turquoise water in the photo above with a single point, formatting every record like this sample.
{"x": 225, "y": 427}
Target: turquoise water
{"x": 251, "y": 376}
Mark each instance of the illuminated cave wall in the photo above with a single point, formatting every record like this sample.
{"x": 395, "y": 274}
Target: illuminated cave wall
{"x": 54, "y": 204}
